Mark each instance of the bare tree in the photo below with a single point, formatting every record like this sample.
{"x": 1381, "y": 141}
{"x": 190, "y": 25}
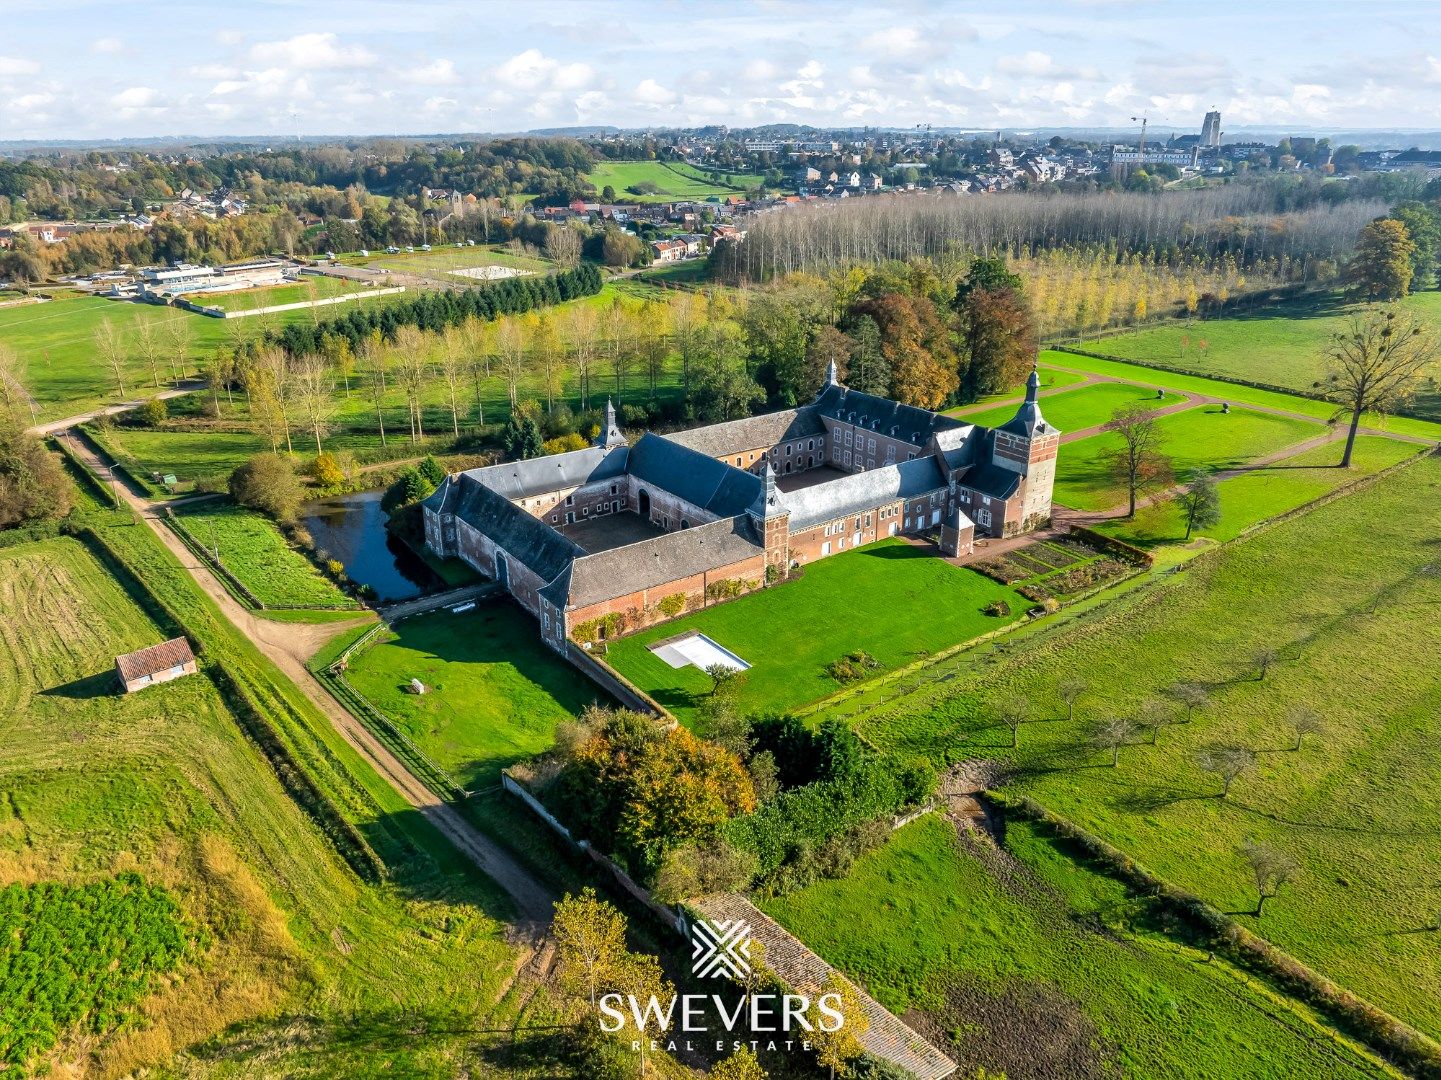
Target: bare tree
{"x": 510, "y": 357}
{"x": 1112, "y": 734}
{"x": 1375, "y": 364}
{"x": 1192, "y": 696}
{"x": 452, "y": 366}
{"x": 1303, "y": 721}
{"x": 1264, "y": 659}
{"x": 581, "y": 342}
{"x": 13, "y": 392}
{"x": 179, "y": 340}
{"x": 1270, "y": 869}
{"x": 1013, "y": 714}
{"x": 374, "y": 358}
{"x": 1152, "y": 715}
{"x": 412, "y": 372}
{"x": 1138, "y": 462}
{"x": 314, "y": 394}
{"x": 1225, "y": 762}
{"x": 147, "y": 349}
{"x": 1071, "y": 691}
{"x": 267, "y": 380}
{"x": 562, "y": 247}
{"x": 108, "y": 345}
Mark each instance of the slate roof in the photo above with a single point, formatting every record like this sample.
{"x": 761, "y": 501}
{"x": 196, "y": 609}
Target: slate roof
{"x": 661, "y": 559}
{"x": 536, "y": 476}
{"x": 885, "y": 417}
{"x": 992, "y": 480}
{"x": 754, "y": 432}
{"x": 542, "y": 549}
{"x": 862, "y": 491}
{"x": 155, "y": 659}
{"x": 698, "y": 478}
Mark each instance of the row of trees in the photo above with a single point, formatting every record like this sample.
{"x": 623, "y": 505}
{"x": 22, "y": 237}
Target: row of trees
{"x": 34, "y": 487}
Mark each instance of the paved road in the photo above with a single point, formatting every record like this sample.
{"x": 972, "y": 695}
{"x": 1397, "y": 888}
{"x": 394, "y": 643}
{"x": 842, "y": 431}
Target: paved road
{"x": 52, "y": 427}
{"x": 289, "y": 646}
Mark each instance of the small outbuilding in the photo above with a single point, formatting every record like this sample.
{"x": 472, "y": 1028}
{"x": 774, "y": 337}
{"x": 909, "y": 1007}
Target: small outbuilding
{"x": 157, "y": 664}
{"x": 958, "y": 534}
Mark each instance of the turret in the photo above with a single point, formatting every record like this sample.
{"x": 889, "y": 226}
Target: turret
{"x": 610, "y": 434}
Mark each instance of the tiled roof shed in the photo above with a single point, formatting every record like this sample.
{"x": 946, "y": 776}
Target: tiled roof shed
{"x": 155, "y": 660}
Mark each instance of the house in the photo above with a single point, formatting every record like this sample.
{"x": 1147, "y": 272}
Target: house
{"x": 873, "y": 182}
{"x": 157, "y": 664}
{"x": 668, "y": 250}
{"x": 853, "y": 180}
{"x": 616, "y": 529}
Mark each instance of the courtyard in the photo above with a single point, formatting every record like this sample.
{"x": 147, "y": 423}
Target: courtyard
{"x": 606, "y": 531}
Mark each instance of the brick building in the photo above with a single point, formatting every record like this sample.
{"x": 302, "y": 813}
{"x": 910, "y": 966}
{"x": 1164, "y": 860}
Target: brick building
{"x": 621, "y": 536}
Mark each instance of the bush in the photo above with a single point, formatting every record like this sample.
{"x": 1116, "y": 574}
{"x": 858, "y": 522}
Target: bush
{"x": 34, "y": 485}
{"x": 432, "y": 470}
{"x": 672, "y": 605}
{"x": 154, "y": 412}
{"x": 327, "y": 471}
{"x": 852, "y": 667}
{"x": 998, "y": 608}
{"x": 563, "y": 444}
{"x": 267, "y": 482}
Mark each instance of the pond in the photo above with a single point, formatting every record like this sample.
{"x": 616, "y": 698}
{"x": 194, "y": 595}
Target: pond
{"x": 351, "y": 528}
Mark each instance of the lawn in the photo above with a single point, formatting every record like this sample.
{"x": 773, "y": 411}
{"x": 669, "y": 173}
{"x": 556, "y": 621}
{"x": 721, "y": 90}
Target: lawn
{"x": 1076, "y": 410}
{"x": 1254, "y": 497}
{"x": 166, "y": 784}
{"x": 1004, "y": 954}
{"x": 1232, "y": 392}
{"x": 1203, "y": 436}
{"x": 445, "y": 259}
{"x": 311, "y": 287}
{"x": 673, "y": 181}
{"x": 1348, "y": 597}
{"x": 495, "y": 694}
{"x": 789, "y": 634}
{"x": 252, "y": 548}
{"x": 1283, "y": 345}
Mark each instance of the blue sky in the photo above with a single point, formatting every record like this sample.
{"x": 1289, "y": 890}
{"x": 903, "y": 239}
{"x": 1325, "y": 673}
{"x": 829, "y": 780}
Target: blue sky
{"x": 85, "y": 69}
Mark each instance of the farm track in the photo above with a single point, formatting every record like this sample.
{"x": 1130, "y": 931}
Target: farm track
{"x": 289, "y": 646}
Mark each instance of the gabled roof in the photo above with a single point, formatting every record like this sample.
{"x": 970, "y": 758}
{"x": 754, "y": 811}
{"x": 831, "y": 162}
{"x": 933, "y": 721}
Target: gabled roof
{"x": 904, "y": 422}
{"x": 697, "y": 478}
{"x": 661, "y": 559}
{"x": 542, "y": 549}
{"x": 862, "y": 491}
{"x": 734, "y": 436}
{"x": 536, "y": 476}
{"x": 155, "y": 659}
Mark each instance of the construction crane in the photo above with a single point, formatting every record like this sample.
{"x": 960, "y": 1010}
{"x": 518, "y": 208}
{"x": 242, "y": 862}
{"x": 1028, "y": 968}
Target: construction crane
{"x": 1142, "y": 151}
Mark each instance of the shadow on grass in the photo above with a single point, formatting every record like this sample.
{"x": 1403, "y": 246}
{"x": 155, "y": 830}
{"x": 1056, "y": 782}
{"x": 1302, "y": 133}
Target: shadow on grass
{"x": 101, "y": 684}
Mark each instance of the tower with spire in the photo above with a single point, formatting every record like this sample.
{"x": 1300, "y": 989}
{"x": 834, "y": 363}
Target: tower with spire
{"x": 610, "y": 434}
{"x": 1028, "y": 445}
{"x": 771, "y": 519}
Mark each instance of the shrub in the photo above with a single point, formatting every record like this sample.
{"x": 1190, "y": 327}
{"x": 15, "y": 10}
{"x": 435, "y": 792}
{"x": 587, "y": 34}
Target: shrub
{"x": 998, "y": 608}
{"x": 154, "y": 411}
{"x": 726, "y": 589}
{"x": 267, "y": 482}
{"x": 672, "y": 605}
{"x": 326, "y": 470}
{"x": 563, "y": 444}
{"x": 593, "y": 629}
{"x": 431, "y": 469}
{"x": 335, "y": 568}
{"x": 852, "y": 667}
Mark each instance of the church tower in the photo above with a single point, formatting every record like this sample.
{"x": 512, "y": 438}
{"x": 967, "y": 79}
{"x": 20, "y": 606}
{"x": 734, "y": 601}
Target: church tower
{"x": 1028, "y": 445}
{"x": 610, "y": 435}
{"x": 772, "y": 520}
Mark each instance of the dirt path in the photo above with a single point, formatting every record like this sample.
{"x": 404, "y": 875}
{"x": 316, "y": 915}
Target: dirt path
{"x": 52, "y": 427}
{"x": 289, "y": 646}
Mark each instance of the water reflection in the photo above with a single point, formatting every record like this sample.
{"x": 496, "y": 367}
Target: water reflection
{"x": 351, "y": 528}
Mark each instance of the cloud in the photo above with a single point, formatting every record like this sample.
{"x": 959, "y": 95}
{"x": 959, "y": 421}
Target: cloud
{"x": 137, "y": 97}
{"x": 651, "y": 92}
{"x": 107, "y": 46}
{"x": 312, "y": 52}
{"x": 14, "y": 65}
{"x": 436, "y": 73}
{"x": 532, "y": 70}
{"x": 1034, "y": 64}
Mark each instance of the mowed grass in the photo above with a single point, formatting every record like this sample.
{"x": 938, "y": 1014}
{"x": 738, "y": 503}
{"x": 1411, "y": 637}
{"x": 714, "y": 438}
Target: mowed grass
{"x": 1084, "y": 407}
{"x": 445, "y": 259}
{"x": 1254, "y": 497}
{"x": 164, "y": 782}
{"x": 1004, "y": 953}
{"x": 1051, "y": 379}
{"x": 252, "y": 548}
{"x": 311, "y": 287}
{"x": 1234, "y": 392}
{"x": 495, "y": 692}
{"x": 1203, "y": 436}
{"x": 1283, "y": 345}
{"x": 680, "y": 182}
{"x": 868, "y": 599}
{"x": 1348, "y": 596}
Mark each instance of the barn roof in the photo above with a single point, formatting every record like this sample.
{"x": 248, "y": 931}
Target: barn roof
{"x": 752, "y": 433}
{"x": 155, "y": 659}
{"x": 697, "y": 478}
{"x": 862, "y": 491}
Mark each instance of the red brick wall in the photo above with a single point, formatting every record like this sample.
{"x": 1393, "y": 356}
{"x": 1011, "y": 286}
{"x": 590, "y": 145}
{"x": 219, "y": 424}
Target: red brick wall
{"x": 865, "y": 455}
{"x": 641, "y": 607}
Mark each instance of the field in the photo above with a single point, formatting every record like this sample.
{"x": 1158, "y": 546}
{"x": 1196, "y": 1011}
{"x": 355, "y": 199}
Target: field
{"x": 447, "y": 259}
{"x": 164, "y": 784}
{"x": 1076, "y": 410}
{"x": 789, "y": 634}
{"x": 674, "y": 181}
{"x": 309, "y": 288}
{"x": 1019, "y": 960}
{"x": 252, "y": 548}
{"x": 495, "y": 692}
{"x": 1203, "y": 436}
{"x": 1282, "y": 345}
{"x": 1347, "y": 597}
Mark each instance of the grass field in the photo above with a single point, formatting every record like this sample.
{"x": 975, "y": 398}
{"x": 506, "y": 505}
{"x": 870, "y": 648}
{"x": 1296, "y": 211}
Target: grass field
{"x": 445, "y": 259}
{"x": 165, "y": 784}
{"x": 863, "y": 599}
{"x": 1017, "y": 959}
{"x": 1203, "y": 436}
{"x": 495, "y": 694}
{"x": 1282, "y": 345}
{"x": 312, "y": 287}
{"x": 1348, "y": 597}
{"x": 674, "y": 181}
{"x": 252, "y": 548}
{"x": 1254, "y": 497}
{"x": 1075, "y": 410}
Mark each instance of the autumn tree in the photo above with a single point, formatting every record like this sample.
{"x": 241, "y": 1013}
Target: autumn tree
{"x": 510, "y": 357}
{"x": 917, "y": 346}
{"x": 827, "y": 346}
{"x": 178, "y": 340}
{"x": 1376, "y": 364}
{"x": 741, "y": 1065}
{"x": 452, "y": 366}
{"x": 1137, "y": 463}
{"x": 412, "y": 373}
{"x": 315, "y": 395}
{"x": 110, "y": 349}
{"x": 1381, "y": 268}
{"x": 836, "y": 1049}
{"x": 1270, "y": 869}
{"x": 33, "y": 484}
{"x": 721, "y": 386}
{"x": 1200, "y": 501}
{"x": 590, "y": 951}
{"x": 374, "y": 362}
{"x": 997, "y": 329}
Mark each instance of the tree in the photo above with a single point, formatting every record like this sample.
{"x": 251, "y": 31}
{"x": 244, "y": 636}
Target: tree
{"x": 1192, "y": 696}
{"x": 33, "y": 485}
{"x": 836, "y": 1049}
{"x": 1376, "y": 364}
{"x": 1138, "y": 462}
{"x": 1071, "y": 691}
{"x": 985, "y": 273}
{"x": 998, "y": 334}
{"x": 721, "y": 387}
{"x": 1112, "y": 734}
{"x": 722, "y": 677}
{"x": 590, "y": 950}
{"x": 1226, "y": 762}
{"x": 1270, "y": 869}
{"x": 412, "y": 372}
{"x": 869, "y": 370}
{"x": 510, "y": 357}
{"x": 452, "y": 367}
{"x": 315, "y": 395}
{"x": 1381, "y": 268}
{"x": 112, "y": 351}
{"x": 917, "y": 346}
{"x": 1263, "y": 659}
{"x": 1152, "y": 715}
{"x": 741, "y": 1065}
{"x": 267, "y": 482}
{"x": 147, "y": 349}
{"x": 700, "y": 869}
{"x": 1304, "y": 721}
{"x": 1200, "y": 501}
{"x": 562, "y": 246}
{"x": 327, "y": 470}
{"x": 1423, "y": 227}
{"x": 1013, "y": 714}
{"x": 521, "y": 437}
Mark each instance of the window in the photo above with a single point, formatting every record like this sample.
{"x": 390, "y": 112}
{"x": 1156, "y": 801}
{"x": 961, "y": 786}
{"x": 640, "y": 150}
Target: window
{"x": 554, "y": 518}
{"x": 810, "y": 444}
{"x": 870, "y": 446}
{"x": 848, "y": 459}
{"x": 788, "y": 449}
{"x": 826, "y": 548}
{"x": 614, "y": 488}
{"x": 738, "y": 463}
{"x": 848, "y": 437}
{"x": 983, "y": 517}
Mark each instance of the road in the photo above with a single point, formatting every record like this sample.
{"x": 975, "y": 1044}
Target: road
{"x": 53, "y": 427}
{"x": 289, "y": 646}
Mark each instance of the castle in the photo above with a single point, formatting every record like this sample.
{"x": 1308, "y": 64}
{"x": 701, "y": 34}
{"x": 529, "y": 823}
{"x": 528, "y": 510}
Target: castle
{"x": 629, "y": 535}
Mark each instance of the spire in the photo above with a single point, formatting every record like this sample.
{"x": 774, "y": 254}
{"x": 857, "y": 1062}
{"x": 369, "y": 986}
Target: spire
{"x": 1033, "y": 385}
{"x": 768, "y": 503}
{"x": 1028, "y": 420}
{"x": 610, "y": 434}
{"x": 831, "y": 379}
